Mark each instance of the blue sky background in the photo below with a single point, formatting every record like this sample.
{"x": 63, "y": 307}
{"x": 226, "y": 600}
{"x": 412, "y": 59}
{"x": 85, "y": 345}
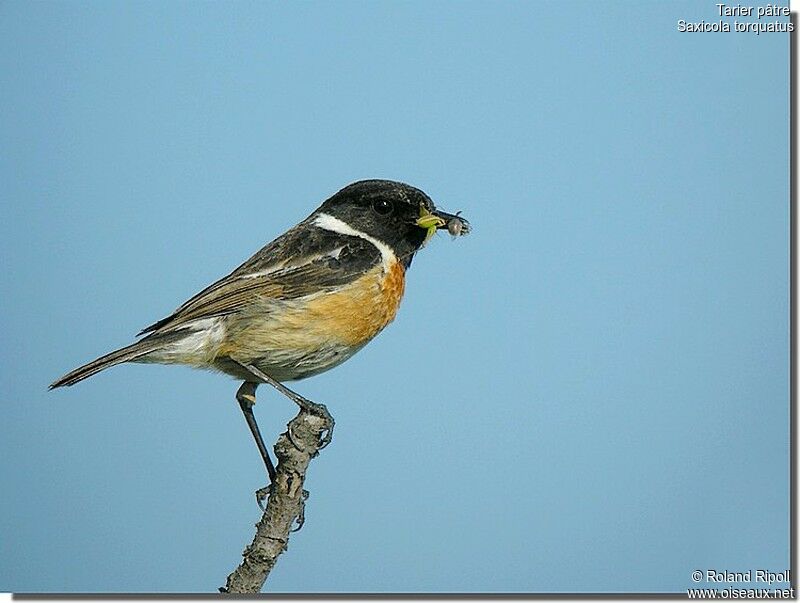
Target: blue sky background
{"x": 589, "y": 393}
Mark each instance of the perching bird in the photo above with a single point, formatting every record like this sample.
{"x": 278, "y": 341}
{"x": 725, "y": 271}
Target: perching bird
{"x": 303, "y": 304}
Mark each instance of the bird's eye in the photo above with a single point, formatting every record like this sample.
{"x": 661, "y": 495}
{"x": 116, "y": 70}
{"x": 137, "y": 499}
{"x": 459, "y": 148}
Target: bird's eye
{"x": 382, "y": 206}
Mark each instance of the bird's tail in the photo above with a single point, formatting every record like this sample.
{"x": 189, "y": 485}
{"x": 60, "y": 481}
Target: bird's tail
{"x": 126, "y": 354}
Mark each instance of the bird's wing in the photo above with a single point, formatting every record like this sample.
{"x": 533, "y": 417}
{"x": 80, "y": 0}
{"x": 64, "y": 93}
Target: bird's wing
{"x": 297, "y": 264}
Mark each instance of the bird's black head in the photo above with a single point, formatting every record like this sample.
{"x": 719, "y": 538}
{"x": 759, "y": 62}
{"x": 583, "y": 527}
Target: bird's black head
{"x": 397, "y": 214}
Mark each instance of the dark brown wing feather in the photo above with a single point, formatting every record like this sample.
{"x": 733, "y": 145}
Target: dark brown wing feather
{"x": 302, "y": 261}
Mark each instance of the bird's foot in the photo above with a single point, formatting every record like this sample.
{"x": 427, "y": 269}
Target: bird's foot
{"x": 321, "y": 411}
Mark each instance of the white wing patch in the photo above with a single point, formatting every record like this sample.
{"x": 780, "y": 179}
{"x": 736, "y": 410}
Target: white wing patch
{"x": 197, "y": 348}
{"x": 334, "y": 253}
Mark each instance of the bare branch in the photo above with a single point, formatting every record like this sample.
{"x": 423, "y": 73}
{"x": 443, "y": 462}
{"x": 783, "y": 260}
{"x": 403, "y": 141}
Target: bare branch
{"x": 286, "y": 503}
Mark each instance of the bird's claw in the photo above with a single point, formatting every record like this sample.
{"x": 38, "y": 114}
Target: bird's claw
{"x": 261, "y": 495}
{"x": 290, "y": 435}
{"x": 301, "y": 518}
{"x": 326, "y": 439}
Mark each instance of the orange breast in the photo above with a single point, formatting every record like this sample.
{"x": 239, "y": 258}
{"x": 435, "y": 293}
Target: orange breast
{"x": 357, "y": 313}
{"x": 344, "y": 319}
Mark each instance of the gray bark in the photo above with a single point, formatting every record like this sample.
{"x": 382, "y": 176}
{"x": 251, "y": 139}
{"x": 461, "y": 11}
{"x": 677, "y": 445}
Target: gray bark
{"x": 285, "y": 504}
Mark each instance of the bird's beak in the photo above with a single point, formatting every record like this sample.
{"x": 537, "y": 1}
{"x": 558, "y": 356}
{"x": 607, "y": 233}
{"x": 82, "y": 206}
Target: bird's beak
{"x": 438, "y": 220}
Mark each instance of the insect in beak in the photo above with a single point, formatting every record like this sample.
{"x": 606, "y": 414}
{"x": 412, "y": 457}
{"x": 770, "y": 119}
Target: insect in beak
{"x": 436, "y": 220}
{"x": 429, "y": 222}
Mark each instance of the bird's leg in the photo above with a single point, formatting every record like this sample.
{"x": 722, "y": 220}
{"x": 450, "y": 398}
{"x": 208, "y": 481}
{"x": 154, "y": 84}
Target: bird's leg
{"x": 312, "y": 407}
{"x": 247, "y": 398}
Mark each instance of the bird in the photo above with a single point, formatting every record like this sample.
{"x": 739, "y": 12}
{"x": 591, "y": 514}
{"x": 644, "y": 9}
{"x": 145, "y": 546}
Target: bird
{"x": 301, "y": 305}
